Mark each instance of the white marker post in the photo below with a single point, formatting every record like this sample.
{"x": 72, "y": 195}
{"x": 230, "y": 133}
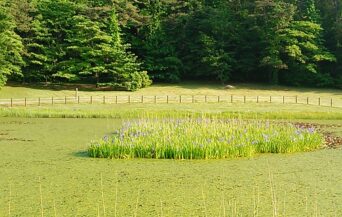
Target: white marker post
{"x": 76, "y": 93}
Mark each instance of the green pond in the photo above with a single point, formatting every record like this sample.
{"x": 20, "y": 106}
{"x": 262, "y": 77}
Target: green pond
{"x": 44, "y": 168}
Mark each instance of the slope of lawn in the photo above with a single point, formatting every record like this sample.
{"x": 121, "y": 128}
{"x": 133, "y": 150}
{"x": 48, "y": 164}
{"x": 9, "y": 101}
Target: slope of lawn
{"x": 184, "y": 88}
{"x": 248, "y": 110}
{"x": 44, "y": 169}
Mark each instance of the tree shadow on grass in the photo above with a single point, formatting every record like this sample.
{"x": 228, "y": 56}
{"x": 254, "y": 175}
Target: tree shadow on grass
{"x": 190, "y": 85}
{"x": 56, "y": 86}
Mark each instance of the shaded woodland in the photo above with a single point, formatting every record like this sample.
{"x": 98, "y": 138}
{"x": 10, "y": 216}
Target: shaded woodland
{"x": 128, "y": 44}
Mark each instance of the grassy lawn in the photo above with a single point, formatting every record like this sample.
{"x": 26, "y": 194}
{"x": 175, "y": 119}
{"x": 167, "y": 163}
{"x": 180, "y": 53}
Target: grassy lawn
{"x": 185, "y": 88}
{"x": 161, "y": 93}
{"x": 249, "y": 110}
{"x": 303, "y": 184}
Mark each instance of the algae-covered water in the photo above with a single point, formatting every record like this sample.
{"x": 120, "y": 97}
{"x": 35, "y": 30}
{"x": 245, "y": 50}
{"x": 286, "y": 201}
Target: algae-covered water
{"x": 44, "y": 170}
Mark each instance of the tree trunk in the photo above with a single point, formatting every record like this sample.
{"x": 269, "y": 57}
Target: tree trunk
{"x": 97, "y": 79}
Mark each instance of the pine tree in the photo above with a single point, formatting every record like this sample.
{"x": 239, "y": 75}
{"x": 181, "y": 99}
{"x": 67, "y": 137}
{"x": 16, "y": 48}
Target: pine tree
{"x": 95, "y": 49}
{"x": 46, "y": 41}
{"x": 40, "y": 57}
{"x": 125, "y": 69}
{"x": 10, "y": 47}
{"x": 87, "y": 50}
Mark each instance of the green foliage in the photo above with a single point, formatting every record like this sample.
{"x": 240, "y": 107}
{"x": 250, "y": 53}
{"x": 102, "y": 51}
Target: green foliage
{"x": 111, "y": 42}
{"x": 47, "y": 43}
{"x": 123, "y": 68}
{"x": 304, "y": 52}
{"x": 40, "y": 58}
{"x": 81, "y": 43}
{"x": 203, "y": 138}
{"x": 10, "y": 47}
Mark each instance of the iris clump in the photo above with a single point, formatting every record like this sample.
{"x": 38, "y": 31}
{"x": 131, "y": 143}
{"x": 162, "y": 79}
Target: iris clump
{"x": 203, "y": 138}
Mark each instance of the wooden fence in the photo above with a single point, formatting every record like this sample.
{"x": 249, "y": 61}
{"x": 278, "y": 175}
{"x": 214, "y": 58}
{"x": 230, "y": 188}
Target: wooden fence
{"x": 168, "y": 99}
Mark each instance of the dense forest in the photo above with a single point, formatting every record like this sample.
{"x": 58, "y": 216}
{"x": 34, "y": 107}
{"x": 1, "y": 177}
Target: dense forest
{"x": 127, "y": 44}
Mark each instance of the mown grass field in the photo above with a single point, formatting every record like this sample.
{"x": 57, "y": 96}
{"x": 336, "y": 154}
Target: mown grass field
{"x": 249, "y": 110}
{"x": 45, "y": 170}
{"x": 185, "y": 88}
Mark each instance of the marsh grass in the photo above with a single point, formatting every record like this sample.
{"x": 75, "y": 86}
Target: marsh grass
{"x": 9, "y": 200}
{"x": 232, "y": 207}
{"x": 41, "y": 197}
{"x": 203, "y": 138}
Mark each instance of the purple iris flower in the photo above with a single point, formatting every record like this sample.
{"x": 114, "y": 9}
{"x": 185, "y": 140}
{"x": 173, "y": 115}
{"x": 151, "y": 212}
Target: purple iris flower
{"x": 311, "y": 130}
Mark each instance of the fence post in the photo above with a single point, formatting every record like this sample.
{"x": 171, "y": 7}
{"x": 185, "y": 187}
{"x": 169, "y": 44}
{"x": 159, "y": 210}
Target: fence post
{"x": 296, "y": 99}
{"x": 331, "y": 102}
{"x": 244, "y": 99}
{"x": 231, "y": 98}
{"x": 91, "y": 99}
{"x": 205, "y": 98}
{"x": 270, "y": 99}
{"x": 142, "y": 99}
{"x": 39, "y": 101}
{"x": 218, "y": 99}
{"x": 257, "y": 99}
{"x": 155, "y": 99}
{"x": 11, "y": 102}
{"x": 180, "y": 98}
{"x": 104, "y": 99}
{"x": 76, "y": 93}
{"x": 167, "y": 99}
{"x": 25, "y": 102}
{"x": 319, "y": 101}
{"x": 129, "y": 99}
{"x": 116, "y": 99}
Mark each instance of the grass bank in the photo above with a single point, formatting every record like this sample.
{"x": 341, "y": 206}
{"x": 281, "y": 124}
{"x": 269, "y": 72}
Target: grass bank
{"x": 228, "y": 110}
{"x": 184, "y": 88}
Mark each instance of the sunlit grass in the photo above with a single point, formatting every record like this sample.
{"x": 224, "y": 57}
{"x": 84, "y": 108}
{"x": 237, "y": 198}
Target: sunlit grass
{"x": 203, "y": 138}
{"x": 226, "y": 110}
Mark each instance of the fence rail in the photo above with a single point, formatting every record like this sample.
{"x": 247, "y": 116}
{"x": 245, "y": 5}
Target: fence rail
{"x": 168, "y": 99}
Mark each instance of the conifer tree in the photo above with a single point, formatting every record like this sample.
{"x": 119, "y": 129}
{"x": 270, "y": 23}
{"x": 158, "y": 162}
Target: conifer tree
{"x": 40, "y": 55}
{"x": 10, "y": 47}
{"x": 87, "y": 50}
{"x": 96, "y": 49}
{"x": 125, "y": 69}
{"x": 47, "y": 43}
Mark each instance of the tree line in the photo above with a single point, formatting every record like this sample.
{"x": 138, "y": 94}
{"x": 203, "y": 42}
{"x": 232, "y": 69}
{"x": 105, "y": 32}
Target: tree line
{"x": 127, "y": 44}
